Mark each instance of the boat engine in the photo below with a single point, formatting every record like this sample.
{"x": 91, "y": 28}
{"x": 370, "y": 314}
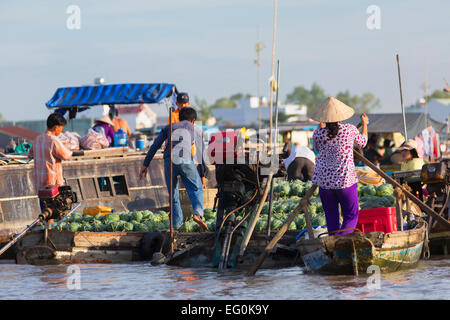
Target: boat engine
{"x": 56, "y": 201}
{"x": 436, "y": 176}
{"x": 239, "y": 180}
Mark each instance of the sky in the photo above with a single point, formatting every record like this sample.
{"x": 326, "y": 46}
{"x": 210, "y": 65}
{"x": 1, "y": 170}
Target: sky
{"x": 207, "y": 47}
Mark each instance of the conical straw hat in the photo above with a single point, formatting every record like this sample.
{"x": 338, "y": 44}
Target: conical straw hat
{"x": 332, "y": 110}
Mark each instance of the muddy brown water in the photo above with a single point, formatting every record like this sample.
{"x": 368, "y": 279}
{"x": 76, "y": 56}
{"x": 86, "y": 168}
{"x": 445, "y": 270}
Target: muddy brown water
{"x": 430, "y": 280}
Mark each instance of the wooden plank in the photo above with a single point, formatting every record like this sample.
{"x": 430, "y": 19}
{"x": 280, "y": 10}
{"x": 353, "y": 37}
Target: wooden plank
{"x": 107, "y": 239}
{"x": 440, "y": 235}
{"x": 85, "y": 256}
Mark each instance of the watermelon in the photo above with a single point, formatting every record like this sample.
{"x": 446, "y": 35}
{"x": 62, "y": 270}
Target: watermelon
{"x": 211, "y": 225}
{"x": 85, "y": 227}
{"x": 124, "y": 216}
{"x": 276, "y": 224}
{"x": 99, "y": 217}
{"x": 88, "y": 218}
{"x": 74, "y": 226}
{"x": 209, "y": 214}
{"x": 385, "y": 190}
{"x": 99, "y": 227}
{"x": 112, "y": 217}
{"x": 292, "y": 226}
{"x": 62, "y": 226}
{"x": 137, "y": 216}
{"x": 141, "y": 227}
{"x": 112, "y": 226}
{"x": 76, "y": 217}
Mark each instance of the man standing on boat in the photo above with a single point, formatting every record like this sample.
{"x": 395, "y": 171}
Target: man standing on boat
{"x": 183, "y": 102}
{"x": 48, "y": 153}
{"x": 185, "y": 135}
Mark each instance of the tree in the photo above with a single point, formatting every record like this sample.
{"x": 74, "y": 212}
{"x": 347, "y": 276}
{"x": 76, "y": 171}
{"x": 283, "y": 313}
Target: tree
{"x": 224, "y": 103}
{"x": 439, "y": 94}
{"x": 311, "y": 98}
{"x": 203, "y": 110}
{"x": 1, "y": 118}
{"x": 363, "y": 104}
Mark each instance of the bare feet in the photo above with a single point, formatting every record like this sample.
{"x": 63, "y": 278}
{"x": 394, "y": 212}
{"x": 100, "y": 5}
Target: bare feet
{"x": 200, "y": 222}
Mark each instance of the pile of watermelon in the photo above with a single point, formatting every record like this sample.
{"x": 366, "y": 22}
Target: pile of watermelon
{"x": 141, "y": 221}
{"x": 287, "y": 195}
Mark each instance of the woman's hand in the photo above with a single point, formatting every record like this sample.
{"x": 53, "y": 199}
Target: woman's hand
{"x": 364, "y": 119}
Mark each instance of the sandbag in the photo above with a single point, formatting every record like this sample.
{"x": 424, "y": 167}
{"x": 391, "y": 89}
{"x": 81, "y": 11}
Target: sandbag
{"x": 94, "y": 141}
{"x": 71, "y": 140}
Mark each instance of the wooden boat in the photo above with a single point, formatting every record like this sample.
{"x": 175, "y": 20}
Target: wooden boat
{"x": 354, "y": 253}
{"x": 108, "y": 177}
{"x": 191, "y": 249}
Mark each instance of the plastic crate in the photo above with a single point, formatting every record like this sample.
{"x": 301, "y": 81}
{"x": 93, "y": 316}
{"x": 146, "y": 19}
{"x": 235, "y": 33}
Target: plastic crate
{"x": 377, "y": 219}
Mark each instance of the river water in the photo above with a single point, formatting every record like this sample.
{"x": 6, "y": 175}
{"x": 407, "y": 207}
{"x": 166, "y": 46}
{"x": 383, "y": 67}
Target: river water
{"x": 430, "y": 280}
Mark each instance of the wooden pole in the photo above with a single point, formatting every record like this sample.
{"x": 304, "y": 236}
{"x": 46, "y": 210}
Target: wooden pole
{"x": 251, "y": 227}
{"x": 401, "y": 99}
{"x": 273, "y": 69}
{"x": 303, "y": 204}
{"x": 171, "y": 184}
{"x": 412, "y": 197}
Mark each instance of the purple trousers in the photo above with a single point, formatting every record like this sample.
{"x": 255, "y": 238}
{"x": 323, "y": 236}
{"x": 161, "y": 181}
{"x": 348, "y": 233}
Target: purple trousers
{"x": 348, "y": 199}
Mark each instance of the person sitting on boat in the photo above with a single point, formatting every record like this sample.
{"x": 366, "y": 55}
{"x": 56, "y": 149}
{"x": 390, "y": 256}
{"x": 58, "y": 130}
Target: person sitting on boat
{"x": 119, "y": 123}
{"x": 48, "y": 153}
{"x": 334, "y": 172}
{"x": 182, "y": 102}
{"x": 412, "y": 161}
{"x": 183, "y": 164}
{"x": 300, "y": 163}
{"x": 105, "y": 126}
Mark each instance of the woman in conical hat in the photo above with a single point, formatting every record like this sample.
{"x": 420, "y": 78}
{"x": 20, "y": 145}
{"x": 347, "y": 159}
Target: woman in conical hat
{"x": 105, "y": 126}
{"x": 334, "y": 172}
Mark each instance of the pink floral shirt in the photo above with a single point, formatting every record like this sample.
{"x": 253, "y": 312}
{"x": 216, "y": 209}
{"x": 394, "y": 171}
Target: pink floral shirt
{"x": 335, "y": 168}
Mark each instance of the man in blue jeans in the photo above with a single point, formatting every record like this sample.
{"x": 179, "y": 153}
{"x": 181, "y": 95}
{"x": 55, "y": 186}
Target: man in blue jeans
{"x": 184, "y": 135}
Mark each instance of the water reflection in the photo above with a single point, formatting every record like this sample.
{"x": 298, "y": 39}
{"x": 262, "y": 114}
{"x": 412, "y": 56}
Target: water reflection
{"x": 141, "y": 280}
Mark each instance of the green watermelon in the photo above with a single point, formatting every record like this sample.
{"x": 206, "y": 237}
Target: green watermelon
{"x": 74, "y": 226}
{"x": 99, "y": 217}
{"x": 112, "y": 226}
{"x": 209, "y": 214}
{"x": 124, "y": 216}
{"x": 76, "y": 217}
{"x": 112, "y": 217}
{"x": 137, "y": 216}
{"x": 99, "y": 227}
{"x": 276, "y": 224}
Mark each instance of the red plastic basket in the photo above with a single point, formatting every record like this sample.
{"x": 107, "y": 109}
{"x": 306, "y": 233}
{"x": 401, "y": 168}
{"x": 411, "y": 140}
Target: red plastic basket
{"x": 377, "y": 219}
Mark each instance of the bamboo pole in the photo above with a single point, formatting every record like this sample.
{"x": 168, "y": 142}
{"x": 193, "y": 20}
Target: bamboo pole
{"x": 413, "y": 198}
{"x": 303, "y": 204}
{"x": 171, "y": 184}
{"x": 251, "y": 227}
{"x": 273, "y": 69}
{"x": 401, "y": 99}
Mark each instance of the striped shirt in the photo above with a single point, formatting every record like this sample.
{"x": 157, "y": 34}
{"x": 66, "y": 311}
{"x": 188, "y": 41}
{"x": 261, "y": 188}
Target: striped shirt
{"x": 48, "y": 153}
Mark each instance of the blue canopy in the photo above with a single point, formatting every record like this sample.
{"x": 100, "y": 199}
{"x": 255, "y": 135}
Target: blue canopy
{"x": 130, "y": 93}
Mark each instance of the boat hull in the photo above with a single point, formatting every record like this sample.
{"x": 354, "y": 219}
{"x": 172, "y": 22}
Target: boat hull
{"x": 356, "y": 253}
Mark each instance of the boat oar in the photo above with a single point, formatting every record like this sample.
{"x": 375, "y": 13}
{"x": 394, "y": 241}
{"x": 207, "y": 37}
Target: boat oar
{"x": 302, "y": 205}
{"x": 408, "y": 194}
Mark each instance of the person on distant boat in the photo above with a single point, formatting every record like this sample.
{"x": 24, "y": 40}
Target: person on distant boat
{"x": 119, "y": 123}
{"x": 105, "y": 126}
{"x": 334, "y": 172}
{"x": 412, "y": 161}
{"x": 183, "y": 165}
{"x": 182, "y": 102}
{"x": 300, "y": 163}
{"x": 48, "y": 153}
